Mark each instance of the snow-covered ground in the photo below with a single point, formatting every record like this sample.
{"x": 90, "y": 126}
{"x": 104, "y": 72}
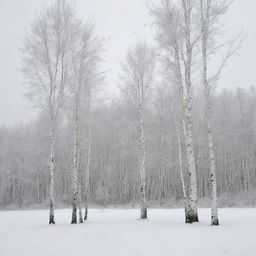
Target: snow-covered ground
{"x": 115, "y": 232}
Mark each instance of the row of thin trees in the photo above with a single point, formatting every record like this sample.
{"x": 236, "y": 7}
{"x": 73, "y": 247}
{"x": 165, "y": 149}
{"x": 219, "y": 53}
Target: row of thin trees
{"x": 61, "y": 58}
{"x": 182, "y": 28}
{"x": 114, "y": 179}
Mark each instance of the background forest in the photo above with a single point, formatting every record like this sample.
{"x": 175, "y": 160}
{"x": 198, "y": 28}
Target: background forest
{"x": 24, "y": 175}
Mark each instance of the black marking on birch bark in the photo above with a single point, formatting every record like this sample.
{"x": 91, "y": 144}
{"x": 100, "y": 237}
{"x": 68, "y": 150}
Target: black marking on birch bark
{"x": 51, "y": 217}
{"x": 81, "y": 219}
{"x": 86, "y": 213}
{"x": 214, "y": 221}
{"x": 74, "y": 215}
{"x": 143, "y": 213}
{"x": 192, "y": 217}
{"x": 186, "y": 214}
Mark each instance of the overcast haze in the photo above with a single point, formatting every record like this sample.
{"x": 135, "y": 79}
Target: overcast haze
{"x": 119, "y": 22}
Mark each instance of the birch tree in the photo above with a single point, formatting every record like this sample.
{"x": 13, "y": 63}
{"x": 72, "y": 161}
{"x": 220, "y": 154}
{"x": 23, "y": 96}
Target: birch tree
{"x": 85, "y": 50}
{"x": 210, "y": 12}
{"x": 46, "y": 60}
{"x": 170, "y": 38}
{"x": 177, "y": 36}
{"x": 94, "y": 77}
{"x": 187, "y": 7}
{"x": 206, "y": 22}
{"x": 137, "y": 77}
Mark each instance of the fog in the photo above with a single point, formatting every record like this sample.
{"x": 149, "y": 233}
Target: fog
{"x": 119, "y": 22}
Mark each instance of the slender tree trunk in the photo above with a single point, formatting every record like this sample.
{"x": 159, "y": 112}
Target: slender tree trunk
{"x": 207, "y": 93}
{"x": 52, "y": 169}
{"x": 192, "y": 215}
{"x": 182, "y": 99}
{"x": 80, "y": 209}
{"x": 162, "y": 166}
{"x": 192, "y": 204}
{"x": 181, "y": 172}
{"x": 87, "y": 179}
{"x": 205, "y": 8}
{"x": 75, "y": 168}
{"x": 214, "y": 204}
{"x": 38, "y": 189}
{"x": 88, "y": 165}
{"x": 142, "y": 167}
{"x": 186, "y": 108}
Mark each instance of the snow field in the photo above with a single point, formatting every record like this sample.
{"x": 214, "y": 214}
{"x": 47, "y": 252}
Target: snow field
{"x": 120, "y": 232}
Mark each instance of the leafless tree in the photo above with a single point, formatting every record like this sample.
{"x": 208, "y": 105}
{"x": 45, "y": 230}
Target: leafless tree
{"x": 137, "y": 77}
{"x": 177, "y": 36}
{"x": 46, "y": 59}
{"x": 85, "y": 59}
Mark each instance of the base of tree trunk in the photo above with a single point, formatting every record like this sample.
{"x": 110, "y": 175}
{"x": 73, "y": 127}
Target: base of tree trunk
{"x": 74, "y": 215}
{"x": 191, "y": 218}
{"x": 81, "y": 220}
{"x": 51, "y": 217}
{"x": 86, "y": 213}
{"x": 80, "y": 214}
{"x": 214, "y": 221}
{"x": 51, "y": 220}
{"x": 186, "y": 216}
{"x": 143, "y": 213}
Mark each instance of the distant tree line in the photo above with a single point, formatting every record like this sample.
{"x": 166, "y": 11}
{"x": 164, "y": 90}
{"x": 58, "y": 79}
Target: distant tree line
{"x": 24, "y": 174}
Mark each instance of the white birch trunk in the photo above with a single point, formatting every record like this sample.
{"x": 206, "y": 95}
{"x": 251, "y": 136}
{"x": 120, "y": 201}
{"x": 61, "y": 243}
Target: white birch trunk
{"x": 38, "y": 189}
{"x": 207, "y": 92}
{"x": 181, "y": 171}
{"x": 88, "y": 165}
{"x": 75, "y": 167}
{"x": 162, "y": 166}
{"x": 80, "y": 211}
{"x": 192, "y": 204}
{"x": 142, "y": 166}
{"x": 182, "y": 98}
{"x": 214, "y": 203}
{"x": 87, "y": 179}
{"x": 52, "y": 169}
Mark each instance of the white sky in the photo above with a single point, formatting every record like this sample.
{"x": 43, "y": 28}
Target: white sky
{"x": 119, "y": 21}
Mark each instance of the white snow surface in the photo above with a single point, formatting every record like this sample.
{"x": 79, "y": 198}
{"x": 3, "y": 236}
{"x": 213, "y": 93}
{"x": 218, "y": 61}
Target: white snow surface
{"x": 119, "y": 232}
